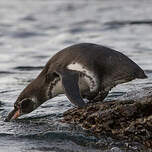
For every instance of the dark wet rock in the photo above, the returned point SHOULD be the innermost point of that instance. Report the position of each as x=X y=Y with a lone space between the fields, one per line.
x=122 y=119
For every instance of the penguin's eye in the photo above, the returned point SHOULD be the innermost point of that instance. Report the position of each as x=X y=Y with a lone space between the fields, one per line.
x=27 y=105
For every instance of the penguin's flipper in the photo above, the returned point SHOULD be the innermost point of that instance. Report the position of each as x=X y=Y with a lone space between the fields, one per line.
x=70 y=80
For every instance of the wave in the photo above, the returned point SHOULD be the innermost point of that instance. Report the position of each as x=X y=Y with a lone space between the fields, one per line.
x=28 y=68
x=149 y=22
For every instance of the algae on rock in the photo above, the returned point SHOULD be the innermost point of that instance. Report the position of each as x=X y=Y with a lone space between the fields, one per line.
x=129 y=119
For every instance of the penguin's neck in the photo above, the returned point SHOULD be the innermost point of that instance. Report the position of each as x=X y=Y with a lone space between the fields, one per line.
x=55 y=88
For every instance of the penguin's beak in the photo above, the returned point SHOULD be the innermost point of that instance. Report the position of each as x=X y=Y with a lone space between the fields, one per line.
x=14 y=114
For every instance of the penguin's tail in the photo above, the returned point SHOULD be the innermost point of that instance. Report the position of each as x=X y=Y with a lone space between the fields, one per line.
x=141 y=75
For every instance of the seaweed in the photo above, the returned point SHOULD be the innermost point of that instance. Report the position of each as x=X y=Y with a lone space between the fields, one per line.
x=123 y=119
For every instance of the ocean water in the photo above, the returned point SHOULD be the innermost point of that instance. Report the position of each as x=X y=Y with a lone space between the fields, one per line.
x=32 y=31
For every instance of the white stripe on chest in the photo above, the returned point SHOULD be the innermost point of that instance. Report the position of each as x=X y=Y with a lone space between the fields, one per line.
x=89 y=76
x=55 y=88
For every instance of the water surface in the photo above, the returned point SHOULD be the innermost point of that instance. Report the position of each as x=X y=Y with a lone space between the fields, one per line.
x=33 y=31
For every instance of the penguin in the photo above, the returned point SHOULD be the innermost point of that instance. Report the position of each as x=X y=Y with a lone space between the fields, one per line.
x=79 y=71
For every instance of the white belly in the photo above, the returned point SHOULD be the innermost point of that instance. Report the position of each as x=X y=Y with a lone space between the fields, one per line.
x=58 y=88
x=89 y=81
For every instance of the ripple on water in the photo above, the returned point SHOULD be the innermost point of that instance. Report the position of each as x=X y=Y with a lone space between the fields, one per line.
x=6 y=72
x=138 y=22
x=148 y=71
x=28 y=68
x=29 y=18
x=119 y=24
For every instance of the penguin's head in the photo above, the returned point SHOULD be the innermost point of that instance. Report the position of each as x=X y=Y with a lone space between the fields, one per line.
x=21 y=107
x=34 y=95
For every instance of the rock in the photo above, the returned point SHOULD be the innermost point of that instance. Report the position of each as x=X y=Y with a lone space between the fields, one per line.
x=122 y=119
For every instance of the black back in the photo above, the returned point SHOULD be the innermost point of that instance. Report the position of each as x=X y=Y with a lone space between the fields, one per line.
x=111 y=66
